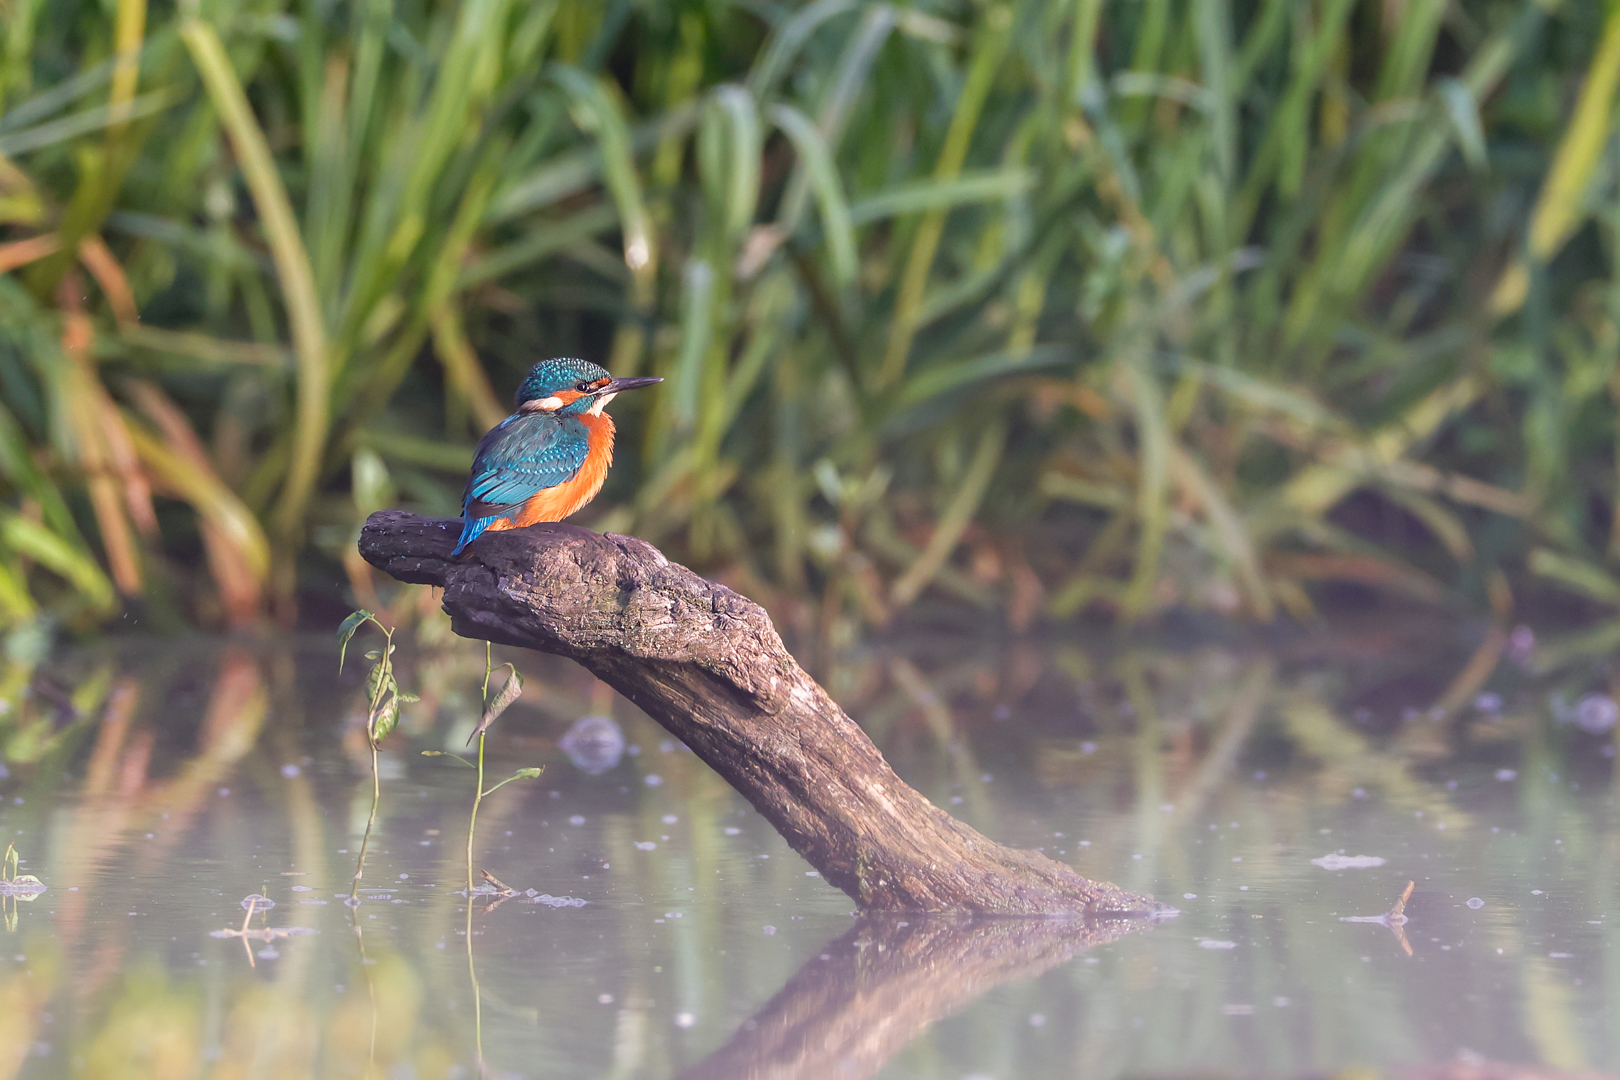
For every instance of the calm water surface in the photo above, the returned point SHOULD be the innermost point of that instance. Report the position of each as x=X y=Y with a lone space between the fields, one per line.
x=660 y=927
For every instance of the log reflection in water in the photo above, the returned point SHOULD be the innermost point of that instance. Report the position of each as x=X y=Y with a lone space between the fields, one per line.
x=869 y=993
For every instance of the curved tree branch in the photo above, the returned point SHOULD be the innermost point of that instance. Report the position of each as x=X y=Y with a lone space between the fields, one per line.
x=708 y=665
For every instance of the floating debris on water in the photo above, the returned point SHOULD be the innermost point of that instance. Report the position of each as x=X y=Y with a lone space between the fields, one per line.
x=1475 y=902
x=1341 y=861
x=269 y=933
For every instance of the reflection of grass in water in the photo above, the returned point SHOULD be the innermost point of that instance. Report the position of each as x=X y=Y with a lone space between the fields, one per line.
x=1198 y=698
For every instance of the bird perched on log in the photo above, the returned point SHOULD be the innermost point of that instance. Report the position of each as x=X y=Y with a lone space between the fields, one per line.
x=548 y=458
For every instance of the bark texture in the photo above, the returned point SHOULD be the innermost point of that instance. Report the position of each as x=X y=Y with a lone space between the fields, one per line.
x=708 y=665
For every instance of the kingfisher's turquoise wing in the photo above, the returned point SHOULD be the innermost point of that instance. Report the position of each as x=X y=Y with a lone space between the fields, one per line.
x=524 y=456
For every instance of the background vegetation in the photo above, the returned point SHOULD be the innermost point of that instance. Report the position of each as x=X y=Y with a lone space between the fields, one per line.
x=1041 y=306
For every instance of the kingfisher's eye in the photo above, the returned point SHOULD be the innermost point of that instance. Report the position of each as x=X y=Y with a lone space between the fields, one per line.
x=583 y=387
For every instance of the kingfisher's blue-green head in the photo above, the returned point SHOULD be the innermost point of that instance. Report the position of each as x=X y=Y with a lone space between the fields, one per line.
x=568 y=387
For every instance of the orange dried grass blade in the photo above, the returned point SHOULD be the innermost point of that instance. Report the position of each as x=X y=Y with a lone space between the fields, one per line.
x=237 y=552
x=114 y=481
x=104 y=424
x=22 y=252
x=95 y=256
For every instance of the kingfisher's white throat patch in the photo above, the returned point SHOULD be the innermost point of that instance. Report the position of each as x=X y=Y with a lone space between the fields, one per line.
x=600 y=403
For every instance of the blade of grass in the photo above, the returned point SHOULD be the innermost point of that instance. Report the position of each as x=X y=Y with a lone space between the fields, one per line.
x=822 y=176
x=1560 y=206
x=956 y=518
x=989 y=49
x=292 y=267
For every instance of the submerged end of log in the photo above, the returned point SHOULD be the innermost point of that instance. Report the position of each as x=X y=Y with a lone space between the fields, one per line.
x=707 y=664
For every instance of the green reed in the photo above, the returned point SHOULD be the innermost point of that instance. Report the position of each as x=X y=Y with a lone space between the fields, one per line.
x=509 y=692
x=1041 y=307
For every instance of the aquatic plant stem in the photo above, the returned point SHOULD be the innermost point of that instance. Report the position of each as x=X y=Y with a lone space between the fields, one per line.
x=472 y=820
x=478 y=794
x=371 y=820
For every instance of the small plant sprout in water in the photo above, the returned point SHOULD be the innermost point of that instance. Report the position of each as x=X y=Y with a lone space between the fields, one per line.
x=252 y=904
x=15 y=886
x=493 y=708
x=1395 y=918
x=383 y=701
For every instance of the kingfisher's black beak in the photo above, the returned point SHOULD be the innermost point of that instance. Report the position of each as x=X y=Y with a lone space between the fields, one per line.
x=617 y=385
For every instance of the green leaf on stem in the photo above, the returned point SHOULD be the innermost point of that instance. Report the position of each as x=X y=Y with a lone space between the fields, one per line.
x=387 y=719
x=346 y=631
x=498 y=704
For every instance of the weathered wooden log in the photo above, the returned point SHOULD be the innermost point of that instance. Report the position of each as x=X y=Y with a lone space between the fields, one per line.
x=708 y=665
x=868 y=994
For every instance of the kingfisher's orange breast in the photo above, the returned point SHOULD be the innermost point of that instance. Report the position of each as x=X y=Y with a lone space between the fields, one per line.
x=556 y=503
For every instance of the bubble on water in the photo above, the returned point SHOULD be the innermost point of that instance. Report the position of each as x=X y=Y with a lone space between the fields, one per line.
x=268 y=953
x=652 y=779
x=1596 y=713
x=646 y=845
x=604 y=999
x=1088 y=747
x=289 y=770
x=255 y=902
x=594 y=744
x=1037 y=1020
x=1488 y=702
x=1189 y=896
x=684 y=1020
x=1475 y=902
x=732 y=830
x=1521 y=645
x=1506 y=775
x=1211 y=943
x=577 y=819
x=768 y=930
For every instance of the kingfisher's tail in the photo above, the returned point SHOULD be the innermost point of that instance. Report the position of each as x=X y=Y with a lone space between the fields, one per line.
x=471 y=529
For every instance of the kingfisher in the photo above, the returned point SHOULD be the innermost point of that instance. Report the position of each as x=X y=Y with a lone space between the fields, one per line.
x=548 y=458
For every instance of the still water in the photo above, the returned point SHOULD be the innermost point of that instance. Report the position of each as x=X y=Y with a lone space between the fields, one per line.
x=660 y=928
